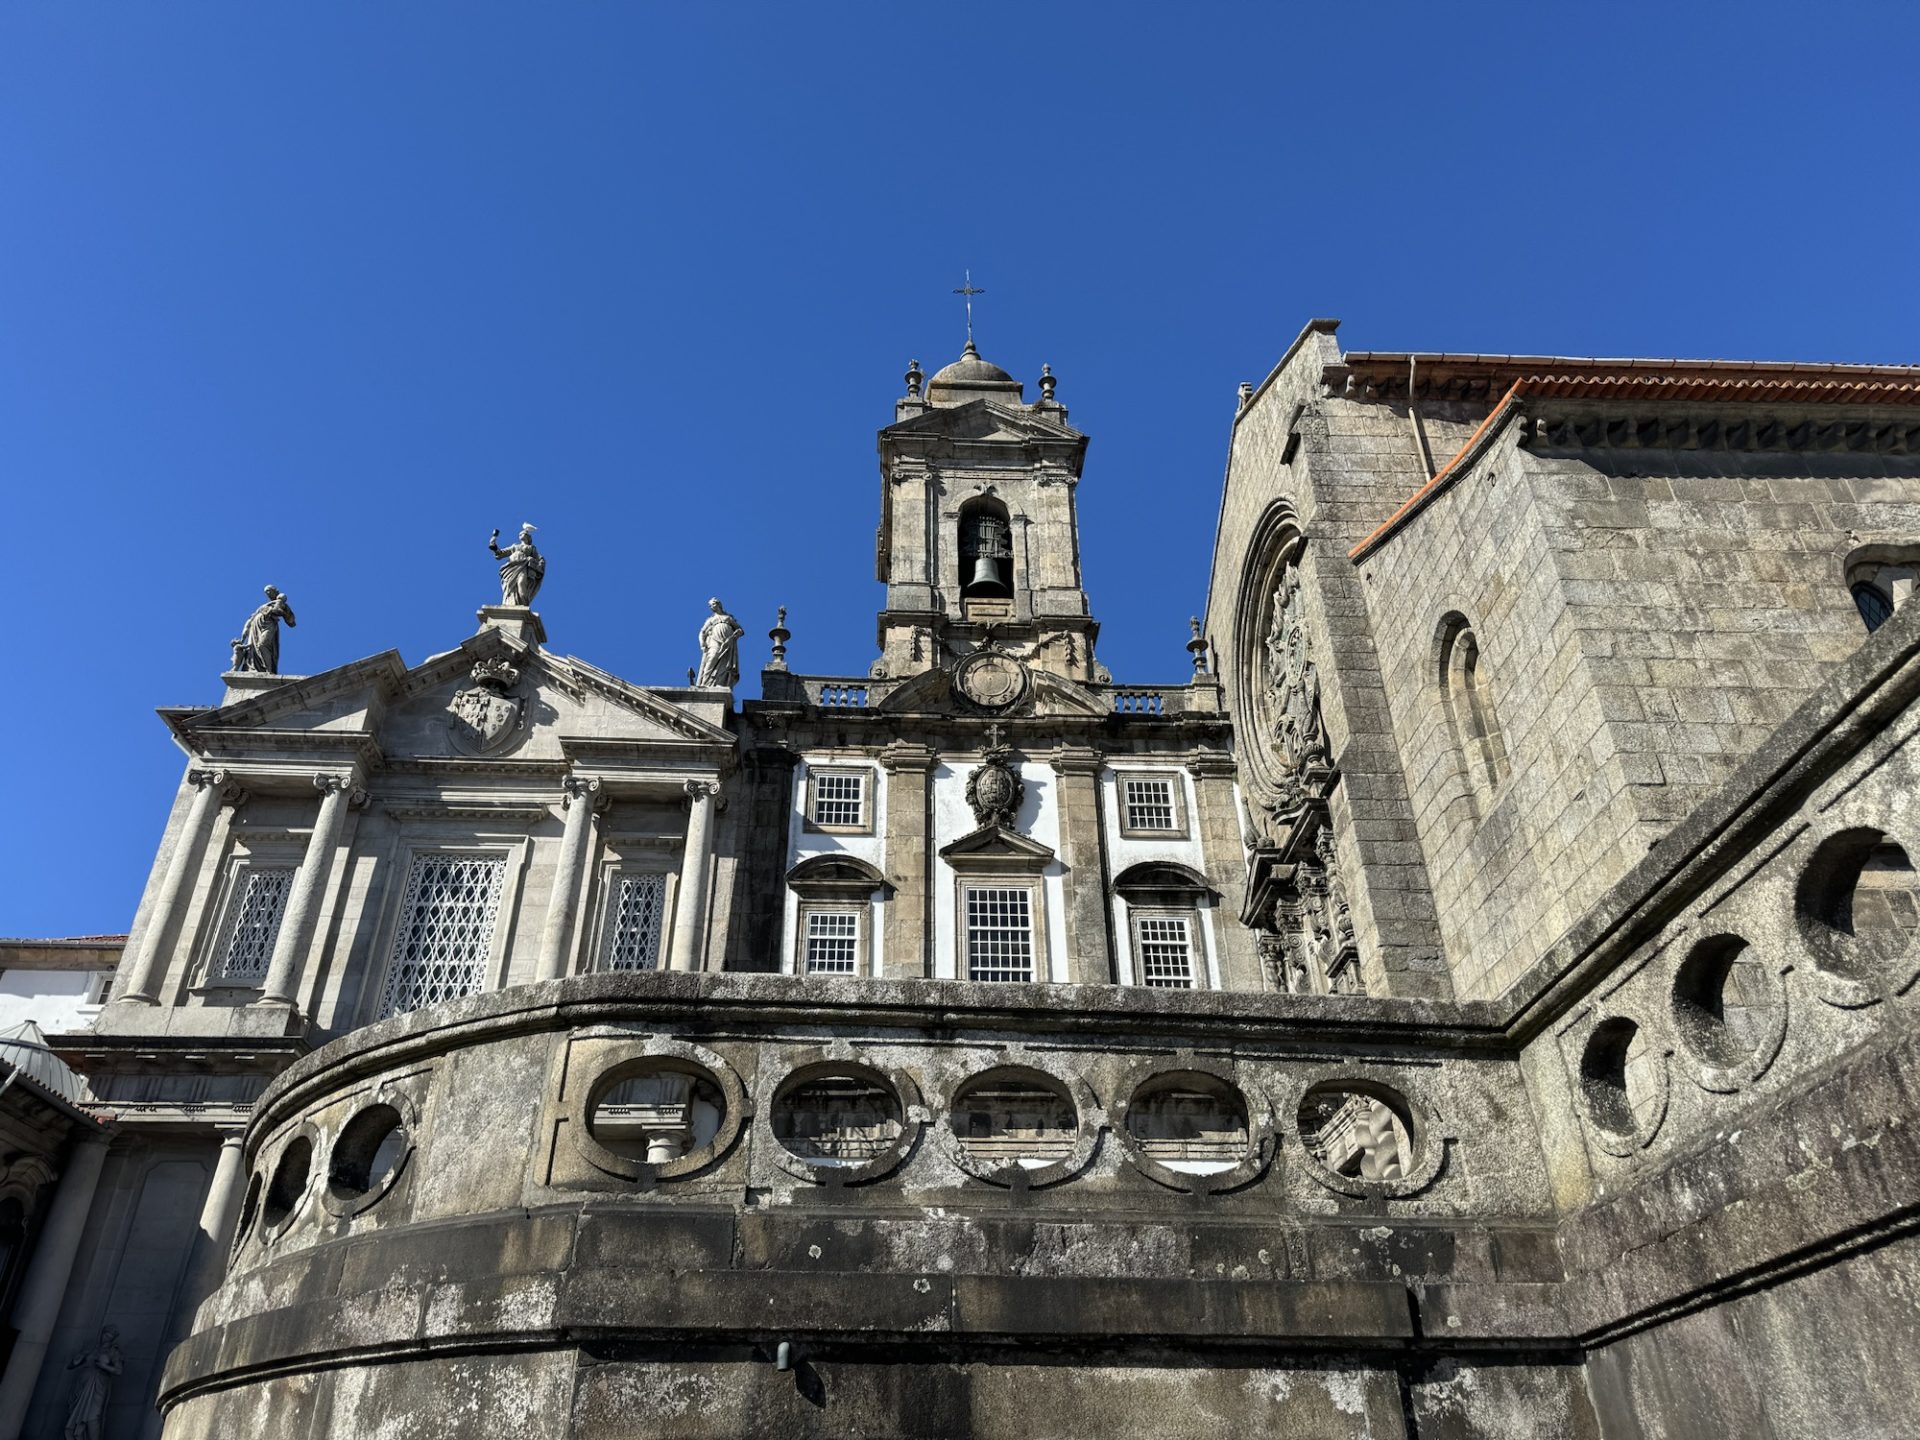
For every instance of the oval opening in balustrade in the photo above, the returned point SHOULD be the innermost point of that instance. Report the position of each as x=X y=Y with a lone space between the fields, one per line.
x=1019 y=1118
x=289 y=1181
x=1619 y=1076
x=1364 y=1133
x=1723 y=1003
x=1859 y=902
x=839 y=1119
x=656 y=1111
x=368 y=1152
x=1192 y=1123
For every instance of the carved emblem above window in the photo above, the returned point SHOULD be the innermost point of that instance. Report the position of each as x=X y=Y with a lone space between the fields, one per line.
x=995 y=789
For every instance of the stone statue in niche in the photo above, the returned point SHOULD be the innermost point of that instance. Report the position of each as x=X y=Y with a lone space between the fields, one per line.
x=522 y=568
x=258 y=648
x=719 y=649
x=86 y=1415
x=1296 y=731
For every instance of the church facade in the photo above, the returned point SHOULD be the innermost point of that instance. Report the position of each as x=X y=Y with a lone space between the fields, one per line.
x=1473 y=1003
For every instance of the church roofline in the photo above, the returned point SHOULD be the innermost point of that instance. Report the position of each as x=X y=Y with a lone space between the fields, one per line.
x=1388 y=375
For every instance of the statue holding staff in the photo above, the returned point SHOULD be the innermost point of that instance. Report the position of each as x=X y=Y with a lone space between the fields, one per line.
x=258 y=648
x=522 y=569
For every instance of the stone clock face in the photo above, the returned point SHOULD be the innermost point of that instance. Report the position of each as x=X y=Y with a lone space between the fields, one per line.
x=991 y=681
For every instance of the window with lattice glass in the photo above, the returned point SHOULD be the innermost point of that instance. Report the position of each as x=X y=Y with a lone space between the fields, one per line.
x=636 y=905
x=252 y=925
x=445 y=936
x=833 y=942
x=838 y=800
x=1150 y=804
x=999 y=932
x=1164 y=945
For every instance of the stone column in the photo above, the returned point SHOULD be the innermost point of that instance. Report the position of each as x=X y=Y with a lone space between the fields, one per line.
x=581 y=797
x=209 y=1261
x=149 y=971
x=1083 y=847
x=690 y=904
x=909 y=844
x=1217 y=824
x=290 y=946
x=45 y=1283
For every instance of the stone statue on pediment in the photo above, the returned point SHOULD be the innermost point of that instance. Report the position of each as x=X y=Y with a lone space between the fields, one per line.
x=522 y=568
x=719 y=649
x=258 y=648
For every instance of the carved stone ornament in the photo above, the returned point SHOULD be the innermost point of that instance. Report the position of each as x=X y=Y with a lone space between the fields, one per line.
x=1289 y=692
x=991 y=680
x=995 y=789
x=488 y=717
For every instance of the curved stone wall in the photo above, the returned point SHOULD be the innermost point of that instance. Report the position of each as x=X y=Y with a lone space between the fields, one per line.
x=533 y=1211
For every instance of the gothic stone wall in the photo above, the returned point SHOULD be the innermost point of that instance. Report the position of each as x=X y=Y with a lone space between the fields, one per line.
x=1644 y=621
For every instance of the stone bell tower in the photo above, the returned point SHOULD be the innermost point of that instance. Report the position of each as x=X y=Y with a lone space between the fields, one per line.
x=979 y=543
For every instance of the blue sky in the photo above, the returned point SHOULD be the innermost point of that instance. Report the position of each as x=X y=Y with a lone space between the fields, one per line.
x=318 y=295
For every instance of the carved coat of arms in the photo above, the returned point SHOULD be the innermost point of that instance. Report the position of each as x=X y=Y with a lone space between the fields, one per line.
x=995 y=789
x=487 y=715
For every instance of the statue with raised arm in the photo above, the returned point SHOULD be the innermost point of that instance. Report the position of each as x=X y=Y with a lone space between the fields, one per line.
x=258 y=648
x=719 y=649
x=86 y=1416
x=522 y=568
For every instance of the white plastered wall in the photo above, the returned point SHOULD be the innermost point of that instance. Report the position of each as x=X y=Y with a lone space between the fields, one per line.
x=1124 y=853
x=805 y=844
x=1038 y=819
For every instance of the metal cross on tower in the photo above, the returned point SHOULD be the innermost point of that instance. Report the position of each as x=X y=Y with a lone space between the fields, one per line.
x=967 y=292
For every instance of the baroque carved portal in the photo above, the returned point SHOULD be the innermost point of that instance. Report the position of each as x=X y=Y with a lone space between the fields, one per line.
x=1296 y=899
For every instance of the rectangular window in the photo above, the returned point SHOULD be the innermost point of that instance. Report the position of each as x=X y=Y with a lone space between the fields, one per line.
x=1150 y=803
x=999 y=932
x=445 y=935
x=252 y=925
x=838 y=800
x=635 y=905
x=1165 y=947
x=833 y=942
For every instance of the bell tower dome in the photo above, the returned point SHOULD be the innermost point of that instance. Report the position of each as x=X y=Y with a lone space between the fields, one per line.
x=978 y=530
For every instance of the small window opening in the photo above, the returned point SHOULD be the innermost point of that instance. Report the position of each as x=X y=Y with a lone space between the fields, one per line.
x=1471 y=719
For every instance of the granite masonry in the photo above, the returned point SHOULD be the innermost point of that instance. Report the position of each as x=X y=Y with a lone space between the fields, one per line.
x=1475 y=1002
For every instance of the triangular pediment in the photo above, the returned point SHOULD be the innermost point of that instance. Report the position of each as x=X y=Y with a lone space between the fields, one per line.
x=986 y=420
x=996 y=848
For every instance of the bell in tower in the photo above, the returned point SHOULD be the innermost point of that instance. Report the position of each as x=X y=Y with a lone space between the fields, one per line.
x=986 y=553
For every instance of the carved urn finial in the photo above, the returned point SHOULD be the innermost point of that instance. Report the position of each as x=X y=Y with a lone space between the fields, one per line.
x=914 y=379
x=1047 y=382
x=1197 y=646
x=779 y=634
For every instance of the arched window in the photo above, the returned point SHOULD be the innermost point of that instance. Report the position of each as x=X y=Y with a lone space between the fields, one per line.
x=1880 y=578
x=986 y=551
x=1472 y=721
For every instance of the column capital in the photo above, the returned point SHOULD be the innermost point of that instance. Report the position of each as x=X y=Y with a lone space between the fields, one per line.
x=1214 y=764
x=903 y=755
x=698 y=790
x=330 y=783
x=228 y=789
x=1076 y=760
x=588 y=788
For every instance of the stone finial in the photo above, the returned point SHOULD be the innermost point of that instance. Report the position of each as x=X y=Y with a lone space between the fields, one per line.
x=1047 y=383
x=1246 y=393
x=914 y=379
x=779 y=634
x=1197 y=646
